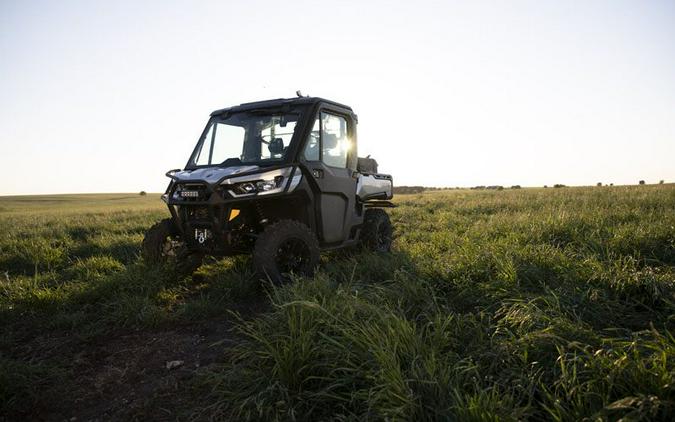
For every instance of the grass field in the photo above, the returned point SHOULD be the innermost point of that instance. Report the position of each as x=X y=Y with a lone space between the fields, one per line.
x=532 y=304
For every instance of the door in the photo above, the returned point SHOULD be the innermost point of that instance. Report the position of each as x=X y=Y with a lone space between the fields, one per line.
x=327 y=153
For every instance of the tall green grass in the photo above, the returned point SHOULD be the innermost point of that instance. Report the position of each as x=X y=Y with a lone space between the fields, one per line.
x=526 y=304
x=494 y=305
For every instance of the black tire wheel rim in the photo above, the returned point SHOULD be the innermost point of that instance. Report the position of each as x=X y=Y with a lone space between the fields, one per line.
x=292 y=255
x=169 y=247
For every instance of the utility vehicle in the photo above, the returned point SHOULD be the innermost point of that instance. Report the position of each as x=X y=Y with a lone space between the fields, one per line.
x=279 y=179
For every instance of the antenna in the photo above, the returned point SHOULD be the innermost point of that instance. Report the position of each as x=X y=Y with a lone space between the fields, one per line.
x=299 y=94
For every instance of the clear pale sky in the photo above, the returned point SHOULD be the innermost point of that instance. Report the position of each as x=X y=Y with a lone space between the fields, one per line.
x=105 y=96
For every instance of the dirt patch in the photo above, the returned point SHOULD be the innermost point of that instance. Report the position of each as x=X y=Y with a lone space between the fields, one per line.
x=124 y=375
x=127 y=377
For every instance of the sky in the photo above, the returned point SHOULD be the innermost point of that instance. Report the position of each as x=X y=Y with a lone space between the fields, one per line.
x=101 y=96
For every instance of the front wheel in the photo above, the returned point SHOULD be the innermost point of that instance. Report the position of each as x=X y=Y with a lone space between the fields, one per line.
x=162 y=245
x=286 y=247
x=377 y=232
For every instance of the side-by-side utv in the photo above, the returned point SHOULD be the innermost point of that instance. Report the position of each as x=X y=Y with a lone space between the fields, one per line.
x=279 y=179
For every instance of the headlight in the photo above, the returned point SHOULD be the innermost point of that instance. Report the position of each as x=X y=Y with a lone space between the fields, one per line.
x=260 y=186
x=274 y=181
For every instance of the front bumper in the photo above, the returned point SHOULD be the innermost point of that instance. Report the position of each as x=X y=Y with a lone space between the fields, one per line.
x=198 y=205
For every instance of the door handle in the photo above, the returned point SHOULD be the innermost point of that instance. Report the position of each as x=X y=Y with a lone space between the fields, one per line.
x=317 y=173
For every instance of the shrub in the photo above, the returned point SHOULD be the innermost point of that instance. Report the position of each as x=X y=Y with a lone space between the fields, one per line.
x=642 y=182
x=142 y=193
x=515 y=187
x=558 y=185
x=599 y=184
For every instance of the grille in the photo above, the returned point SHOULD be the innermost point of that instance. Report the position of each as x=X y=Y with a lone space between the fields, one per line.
x=197 y=213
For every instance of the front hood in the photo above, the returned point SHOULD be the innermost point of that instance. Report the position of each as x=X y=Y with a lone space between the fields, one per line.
x=211 y=174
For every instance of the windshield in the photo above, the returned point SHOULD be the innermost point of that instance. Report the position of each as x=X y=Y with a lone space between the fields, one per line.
x=245 y=137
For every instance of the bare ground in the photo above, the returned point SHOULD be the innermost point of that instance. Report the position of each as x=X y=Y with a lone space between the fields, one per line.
x=124 y=375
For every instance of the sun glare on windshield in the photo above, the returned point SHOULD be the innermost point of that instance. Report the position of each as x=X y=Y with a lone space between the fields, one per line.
x=247 y=137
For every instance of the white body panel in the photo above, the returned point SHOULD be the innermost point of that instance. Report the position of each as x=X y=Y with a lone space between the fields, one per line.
x=374 y=187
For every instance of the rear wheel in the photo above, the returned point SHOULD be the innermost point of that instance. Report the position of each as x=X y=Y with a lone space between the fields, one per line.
x=377 y=232
x=286 y=247
x=162 y=245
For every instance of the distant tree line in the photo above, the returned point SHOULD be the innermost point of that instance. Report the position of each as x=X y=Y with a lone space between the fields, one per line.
x=408 y=189
x=492 y=187
x=420 y=189
x=641 y=182
x=416 y=189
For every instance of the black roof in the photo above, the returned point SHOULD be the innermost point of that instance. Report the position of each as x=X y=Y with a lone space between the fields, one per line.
x=279 y=102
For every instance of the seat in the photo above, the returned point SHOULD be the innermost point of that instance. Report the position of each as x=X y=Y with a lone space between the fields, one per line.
x=276 y=146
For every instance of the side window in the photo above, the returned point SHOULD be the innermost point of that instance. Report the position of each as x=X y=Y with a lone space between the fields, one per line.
x=334 y=140
x=313 y=143
x=328 y=141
